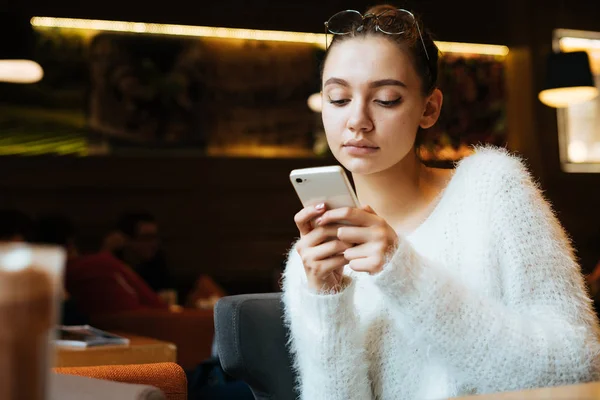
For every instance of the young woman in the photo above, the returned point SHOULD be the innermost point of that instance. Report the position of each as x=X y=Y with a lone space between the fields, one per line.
x=445 y=282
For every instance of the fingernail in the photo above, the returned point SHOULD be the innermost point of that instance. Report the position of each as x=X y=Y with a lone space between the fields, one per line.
x=320 y=206
x=318 y=221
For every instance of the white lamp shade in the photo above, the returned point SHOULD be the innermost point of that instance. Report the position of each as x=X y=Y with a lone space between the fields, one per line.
x=569 y=80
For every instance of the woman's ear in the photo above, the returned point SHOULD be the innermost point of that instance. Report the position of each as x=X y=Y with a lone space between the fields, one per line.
x=433 y=107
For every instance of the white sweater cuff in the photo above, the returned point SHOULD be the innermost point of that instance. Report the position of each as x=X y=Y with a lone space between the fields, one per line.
x=326 y=314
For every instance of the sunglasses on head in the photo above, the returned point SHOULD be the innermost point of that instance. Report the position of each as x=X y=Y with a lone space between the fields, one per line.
x=390 y=22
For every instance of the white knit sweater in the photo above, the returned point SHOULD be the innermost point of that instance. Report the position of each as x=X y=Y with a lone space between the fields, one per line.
x=484 y=296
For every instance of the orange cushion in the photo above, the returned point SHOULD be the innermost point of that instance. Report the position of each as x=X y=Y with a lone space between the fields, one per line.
x=168 y=377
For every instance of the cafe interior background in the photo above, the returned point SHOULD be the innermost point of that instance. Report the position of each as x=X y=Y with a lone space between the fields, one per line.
x=145 y=106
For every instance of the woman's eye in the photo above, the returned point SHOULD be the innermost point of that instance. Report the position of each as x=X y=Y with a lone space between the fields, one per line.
x=339 y=102
x=389 y=103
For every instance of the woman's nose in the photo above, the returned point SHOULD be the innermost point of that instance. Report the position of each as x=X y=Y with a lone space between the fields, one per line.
x=359 y=119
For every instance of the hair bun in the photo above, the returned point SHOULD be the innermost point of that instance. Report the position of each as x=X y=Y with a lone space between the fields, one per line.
x=380 y=8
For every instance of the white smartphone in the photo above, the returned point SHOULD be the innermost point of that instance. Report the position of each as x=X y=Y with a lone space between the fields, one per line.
x=328 y=185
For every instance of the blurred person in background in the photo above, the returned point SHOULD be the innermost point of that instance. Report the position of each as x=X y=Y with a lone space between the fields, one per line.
x=96 y=283
x=136 y=241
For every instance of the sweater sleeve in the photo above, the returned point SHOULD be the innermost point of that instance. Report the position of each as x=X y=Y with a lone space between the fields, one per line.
x=542 y=332
x=325 y=341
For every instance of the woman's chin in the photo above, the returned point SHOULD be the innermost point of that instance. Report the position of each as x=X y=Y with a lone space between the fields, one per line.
x=361 y=166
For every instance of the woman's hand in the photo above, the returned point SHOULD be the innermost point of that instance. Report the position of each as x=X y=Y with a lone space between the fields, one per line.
x=371 y=237
x=320 y=250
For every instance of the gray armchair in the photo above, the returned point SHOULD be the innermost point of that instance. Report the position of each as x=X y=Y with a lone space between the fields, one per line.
x=251 y=344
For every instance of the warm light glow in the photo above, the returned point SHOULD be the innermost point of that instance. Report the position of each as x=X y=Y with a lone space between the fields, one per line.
x=564 y=97
x=445 y=153
x=262 y=151
x=317 y=39
x=573 y=44
x=594 y=153
x=577 y=152
x=315 y=102
x=472 y=48
x=178 y=30
x=20 y=71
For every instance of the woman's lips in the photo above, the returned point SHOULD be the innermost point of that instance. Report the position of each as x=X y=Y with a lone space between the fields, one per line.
x=360 y=150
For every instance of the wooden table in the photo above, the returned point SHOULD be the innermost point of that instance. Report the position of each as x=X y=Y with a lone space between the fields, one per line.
x=584 y=391
x=140 y=350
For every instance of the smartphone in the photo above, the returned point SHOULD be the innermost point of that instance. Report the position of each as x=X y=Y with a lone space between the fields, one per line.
x=328 y=185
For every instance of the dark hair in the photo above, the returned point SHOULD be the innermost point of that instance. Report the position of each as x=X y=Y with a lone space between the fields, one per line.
x=15 y=222
x=128 y=223
x=427 y=69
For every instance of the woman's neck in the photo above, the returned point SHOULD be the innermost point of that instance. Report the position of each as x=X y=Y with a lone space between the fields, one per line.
x=402 y=193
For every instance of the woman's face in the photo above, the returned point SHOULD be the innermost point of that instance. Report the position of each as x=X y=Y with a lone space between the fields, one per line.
x=373 y=103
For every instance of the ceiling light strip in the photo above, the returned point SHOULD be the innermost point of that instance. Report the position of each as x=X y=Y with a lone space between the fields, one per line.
x=317 y=39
